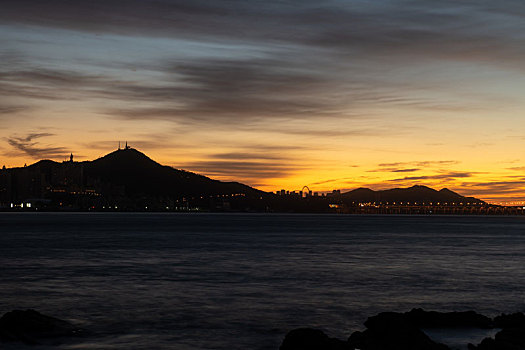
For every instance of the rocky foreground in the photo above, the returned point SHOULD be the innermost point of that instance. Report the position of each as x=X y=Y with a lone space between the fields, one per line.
x=32 y=327
x=385 y=331
x=403 y=331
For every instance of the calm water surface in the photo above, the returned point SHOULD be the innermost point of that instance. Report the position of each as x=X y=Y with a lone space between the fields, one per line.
x=241 y=281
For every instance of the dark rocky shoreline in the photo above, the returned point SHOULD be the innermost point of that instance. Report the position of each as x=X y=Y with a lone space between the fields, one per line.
x=403 y=331
x=33 y=328
x=385 y=331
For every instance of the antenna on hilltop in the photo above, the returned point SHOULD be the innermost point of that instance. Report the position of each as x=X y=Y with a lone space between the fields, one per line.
x=119 y=145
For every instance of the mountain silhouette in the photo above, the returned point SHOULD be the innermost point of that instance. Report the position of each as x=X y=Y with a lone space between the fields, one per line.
x=140 y=175
x=418 y=193
x=125 y=178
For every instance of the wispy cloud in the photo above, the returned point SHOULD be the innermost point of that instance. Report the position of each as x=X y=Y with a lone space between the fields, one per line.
x=405 y=170
x=496 y=190
x=250 y=171
x=424 y=163
x=252 y=167
x=394 y=170
x=337 y=180
x=28 y=146
x=426 y=28
x=10 y=110
x=294 y=63
x=444 y=176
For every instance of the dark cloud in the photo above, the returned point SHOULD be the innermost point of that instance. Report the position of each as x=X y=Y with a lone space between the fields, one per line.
x=338 y=180
x=275 y=147
x=249 y=156
x=136 y=17
x=404 y=170
x=12 y=109
x=237 y=89
x=29 y=92
x=454 y=29
x=247 y=93
x=234 y=90
x=49 y=77
x=444 y=176
x=425 y=163
x=251 y=166
x=27 y=145
x=307 y=60
x=31 y=136
x=510 y=190
x=48 y=84
x=395 y=170
x=197 y=91
x=250 y=171
x=253 y=117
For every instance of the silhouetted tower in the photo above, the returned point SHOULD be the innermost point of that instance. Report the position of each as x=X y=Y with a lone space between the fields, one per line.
x=71 y=158
x=119 y=145
x=127 y=147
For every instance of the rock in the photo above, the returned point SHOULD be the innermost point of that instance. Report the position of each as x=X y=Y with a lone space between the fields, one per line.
x=486 y=344
x=364 y=341
x=402 y=331
x=433 y=319
x=511 y=338
x=512 y=320
x=514 y=336
x=30 y=326
x=311 y=339
x=491 y=344
x=392 y=331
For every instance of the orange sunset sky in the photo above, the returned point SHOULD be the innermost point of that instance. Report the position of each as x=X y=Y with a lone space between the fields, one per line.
x=277 y=95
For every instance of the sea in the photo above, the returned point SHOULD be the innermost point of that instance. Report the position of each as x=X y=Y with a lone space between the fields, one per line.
x=242 y=281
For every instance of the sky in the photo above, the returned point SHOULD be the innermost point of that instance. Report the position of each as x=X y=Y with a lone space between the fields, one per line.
x=275 y=94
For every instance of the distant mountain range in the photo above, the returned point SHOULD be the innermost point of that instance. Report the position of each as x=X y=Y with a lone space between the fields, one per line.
x=130 y=180
x=419 y=194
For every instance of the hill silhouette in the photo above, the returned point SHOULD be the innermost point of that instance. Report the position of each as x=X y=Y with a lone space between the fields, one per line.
x=141 y=175
x=125 y=179
x=418 y=193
